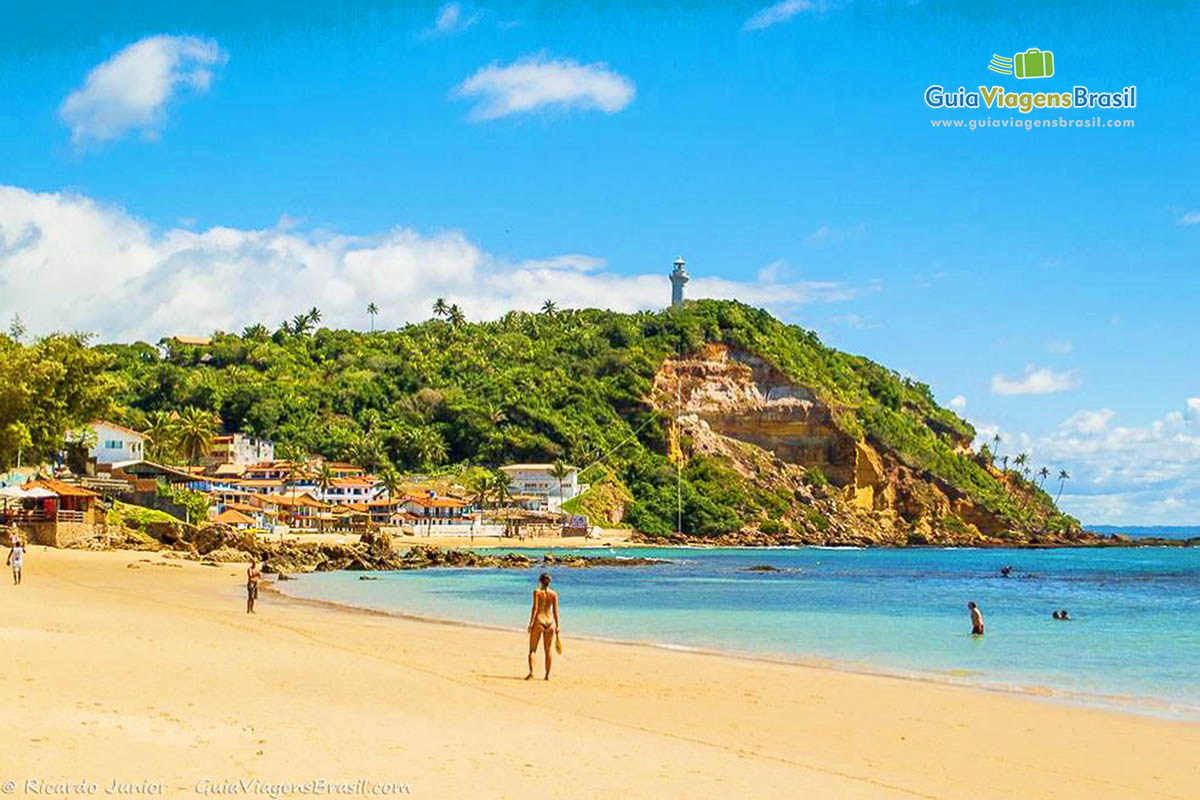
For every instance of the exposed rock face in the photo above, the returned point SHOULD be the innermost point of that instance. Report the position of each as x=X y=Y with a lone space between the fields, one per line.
x=780 y=436
x=740 y=396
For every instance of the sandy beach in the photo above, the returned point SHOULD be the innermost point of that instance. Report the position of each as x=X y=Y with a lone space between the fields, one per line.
x=143 y=669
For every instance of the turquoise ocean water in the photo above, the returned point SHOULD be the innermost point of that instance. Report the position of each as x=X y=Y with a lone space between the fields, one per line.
x=1134 y=641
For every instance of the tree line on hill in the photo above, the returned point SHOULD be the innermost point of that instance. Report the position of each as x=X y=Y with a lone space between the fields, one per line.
x=448 y=394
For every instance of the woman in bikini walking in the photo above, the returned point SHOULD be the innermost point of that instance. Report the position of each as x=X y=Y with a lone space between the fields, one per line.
x=543 y=622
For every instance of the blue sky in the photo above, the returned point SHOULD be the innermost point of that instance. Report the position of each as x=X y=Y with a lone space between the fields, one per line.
x=227 y=163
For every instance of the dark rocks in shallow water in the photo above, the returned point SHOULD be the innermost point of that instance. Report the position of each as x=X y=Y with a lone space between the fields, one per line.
x=762 y=568
x=375 y=552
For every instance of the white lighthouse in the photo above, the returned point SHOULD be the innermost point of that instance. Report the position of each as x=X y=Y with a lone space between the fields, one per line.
x=679 y=277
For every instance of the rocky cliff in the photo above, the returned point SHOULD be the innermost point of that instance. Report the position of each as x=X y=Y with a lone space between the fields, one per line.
x=845 y=487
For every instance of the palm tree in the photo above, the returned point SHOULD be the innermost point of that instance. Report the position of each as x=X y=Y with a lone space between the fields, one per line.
x=1021 y=460
x=495 y=414
x=440 y=309
x=372 y=310
x=559 y=472
x=427 y=445
x=482 y=489
x=325 y=481
x=1063 y=477
x=314 y=316
x=549 y=308
x=161 y=431
x=1043 y=473
x=296 y=469
x=996 y=440
x=300 y=325
x=195 y=431
x=503 y=487
x=256 y=332
x=456 y=316
x=389 y=479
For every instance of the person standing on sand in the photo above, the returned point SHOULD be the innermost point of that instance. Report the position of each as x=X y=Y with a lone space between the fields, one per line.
x=543 y=622
x=976 y=619
x=253 y=573
x=16 y=558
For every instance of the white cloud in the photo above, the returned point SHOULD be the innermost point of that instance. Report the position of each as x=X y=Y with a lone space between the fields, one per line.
x=451 y=19
x=959 y=402
x=1035 y=381
x=1190 y=218
x=831 y=235
x=67 y=262
x=1089 y=421
x=1130 y=474
x=856 y=321
x=1123 y=475
x=777 y=13
x=131 y=90
x=536 y=82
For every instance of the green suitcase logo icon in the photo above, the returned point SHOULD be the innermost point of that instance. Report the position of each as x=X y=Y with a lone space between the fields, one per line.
x=1033 y=63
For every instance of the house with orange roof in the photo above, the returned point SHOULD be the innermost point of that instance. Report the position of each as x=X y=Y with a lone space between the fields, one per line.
x=235 y=519
x=391 y=513
x=433 y=508
x=351 y=489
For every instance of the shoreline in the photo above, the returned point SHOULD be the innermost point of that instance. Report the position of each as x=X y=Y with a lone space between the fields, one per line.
x=136 y=666
x=1143 y=706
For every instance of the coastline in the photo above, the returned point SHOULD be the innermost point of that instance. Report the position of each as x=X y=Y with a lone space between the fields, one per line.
x=130 y=665
x=1128 y=704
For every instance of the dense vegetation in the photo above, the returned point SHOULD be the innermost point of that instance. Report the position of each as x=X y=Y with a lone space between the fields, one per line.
x=570 y=385
x=47 y=389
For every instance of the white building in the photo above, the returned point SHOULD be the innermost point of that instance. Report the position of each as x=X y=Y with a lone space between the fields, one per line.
x=239 y=449
x=115 y=443
x=536 y=479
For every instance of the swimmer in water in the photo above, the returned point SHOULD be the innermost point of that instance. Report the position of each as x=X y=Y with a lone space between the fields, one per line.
x=543 y=622
x=976 y=619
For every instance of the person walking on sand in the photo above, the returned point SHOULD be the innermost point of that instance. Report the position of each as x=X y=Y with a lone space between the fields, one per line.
x=16 y=559
x=543 y=622
x=976 y=619
x=253 y=573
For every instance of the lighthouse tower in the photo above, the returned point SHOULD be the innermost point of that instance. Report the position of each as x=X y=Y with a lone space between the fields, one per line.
x=679 y=277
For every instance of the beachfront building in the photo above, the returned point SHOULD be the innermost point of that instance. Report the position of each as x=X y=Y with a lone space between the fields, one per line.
x=536 y=481
x=341 y=469
x=357 y=489
x=114 y=444
x=432 y=508
x=389 y=513
x=235 y=519
x=303 y=511
x=238 y=450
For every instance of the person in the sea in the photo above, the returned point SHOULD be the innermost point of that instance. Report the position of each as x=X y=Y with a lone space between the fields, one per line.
x=16 y=558
x=543 y=622
x=253 y=573
x=976 y=619
x=1006 y=571
x=1062 y=615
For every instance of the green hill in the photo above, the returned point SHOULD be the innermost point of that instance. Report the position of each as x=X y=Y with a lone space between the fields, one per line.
x=586 y=386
